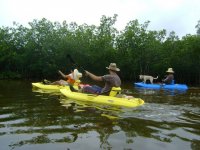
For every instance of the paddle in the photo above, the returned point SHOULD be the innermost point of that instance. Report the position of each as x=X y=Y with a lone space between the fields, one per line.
x=74 y=63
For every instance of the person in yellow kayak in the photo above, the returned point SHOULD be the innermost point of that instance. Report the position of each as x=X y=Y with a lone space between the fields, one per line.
x=70 y=79
x=111 y=80
x=170 y=77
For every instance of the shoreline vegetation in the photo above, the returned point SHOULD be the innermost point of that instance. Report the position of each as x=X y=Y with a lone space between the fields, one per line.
x=39 y=50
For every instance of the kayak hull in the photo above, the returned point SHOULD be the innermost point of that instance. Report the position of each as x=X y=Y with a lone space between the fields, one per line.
x=162 y=86
x=47 y=87
x=102 y=99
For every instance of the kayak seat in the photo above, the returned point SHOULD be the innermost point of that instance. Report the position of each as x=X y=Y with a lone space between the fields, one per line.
x=114 y=91
x=77 y=82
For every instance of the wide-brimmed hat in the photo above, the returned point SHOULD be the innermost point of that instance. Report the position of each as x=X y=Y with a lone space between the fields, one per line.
x=113 y=67
x=77 y=74
x=170 y=70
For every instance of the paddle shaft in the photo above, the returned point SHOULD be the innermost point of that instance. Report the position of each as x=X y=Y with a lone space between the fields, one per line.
x=74 y=63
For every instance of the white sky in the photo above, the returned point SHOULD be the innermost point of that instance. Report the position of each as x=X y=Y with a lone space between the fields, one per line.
x=180 y=16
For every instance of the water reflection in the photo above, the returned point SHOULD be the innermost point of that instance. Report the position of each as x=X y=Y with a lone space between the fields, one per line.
x=37 y=90
x=149 y=91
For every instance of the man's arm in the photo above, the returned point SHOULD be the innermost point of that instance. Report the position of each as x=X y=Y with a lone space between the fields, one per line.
x=94 y=77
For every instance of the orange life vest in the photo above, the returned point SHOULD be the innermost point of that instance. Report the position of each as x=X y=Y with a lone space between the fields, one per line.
x=70 y=78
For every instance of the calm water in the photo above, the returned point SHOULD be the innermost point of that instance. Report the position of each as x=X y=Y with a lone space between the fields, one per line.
x=32 y=119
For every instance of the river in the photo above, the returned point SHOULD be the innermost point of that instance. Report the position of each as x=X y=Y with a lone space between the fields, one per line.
x=33 y=119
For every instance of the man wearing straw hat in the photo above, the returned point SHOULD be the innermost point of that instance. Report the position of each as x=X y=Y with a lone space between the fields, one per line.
x=111 y=80
x=170 y=77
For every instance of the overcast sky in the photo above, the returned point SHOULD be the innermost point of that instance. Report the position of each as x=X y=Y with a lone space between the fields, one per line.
x=180 y=16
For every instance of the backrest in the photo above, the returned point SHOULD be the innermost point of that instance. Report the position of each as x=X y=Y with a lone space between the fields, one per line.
x=114 y=91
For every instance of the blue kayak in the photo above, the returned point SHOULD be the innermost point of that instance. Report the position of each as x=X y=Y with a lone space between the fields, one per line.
x=162 y=86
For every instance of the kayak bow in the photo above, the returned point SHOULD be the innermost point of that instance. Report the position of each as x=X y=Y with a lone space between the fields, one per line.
x=47 y=86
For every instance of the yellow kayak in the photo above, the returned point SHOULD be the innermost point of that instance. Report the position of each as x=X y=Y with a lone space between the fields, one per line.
x=102 y=99
x=47 y=86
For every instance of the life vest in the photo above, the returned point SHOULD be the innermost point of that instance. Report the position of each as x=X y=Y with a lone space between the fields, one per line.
x=74 y=77
x=70 y=78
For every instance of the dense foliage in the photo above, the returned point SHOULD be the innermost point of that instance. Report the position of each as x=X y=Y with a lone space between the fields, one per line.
x=39 y=50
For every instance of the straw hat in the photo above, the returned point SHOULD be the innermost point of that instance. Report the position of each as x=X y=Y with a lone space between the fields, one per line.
x=113 y=67
x=77 y=74
x=170 y=70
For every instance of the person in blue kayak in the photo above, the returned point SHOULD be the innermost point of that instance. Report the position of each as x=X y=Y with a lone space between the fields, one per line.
x=111 y=80
x=170 y=77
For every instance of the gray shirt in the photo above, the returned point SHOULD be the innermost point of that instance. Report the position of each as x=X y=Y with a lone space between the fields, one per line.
x=110 y=81
x=168 y=79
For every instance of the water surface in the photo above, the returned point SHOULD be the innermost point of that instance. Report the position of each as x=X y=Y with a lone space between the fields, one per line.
x=35 y=119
